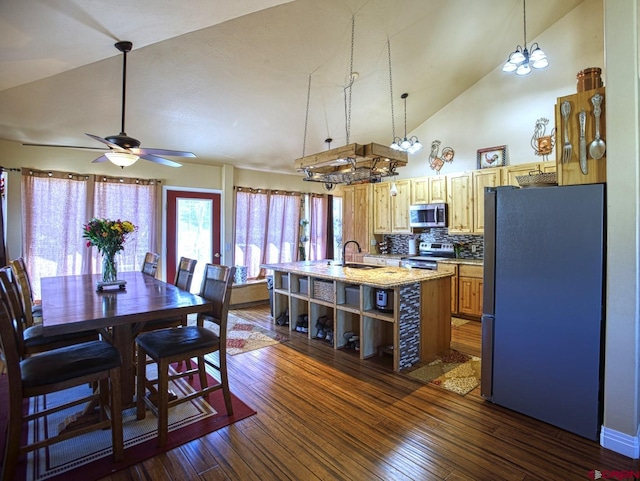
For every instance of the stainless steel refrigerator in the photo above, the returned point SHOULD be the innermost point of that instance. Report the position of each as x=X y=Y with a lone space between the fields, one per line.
x=543 y=303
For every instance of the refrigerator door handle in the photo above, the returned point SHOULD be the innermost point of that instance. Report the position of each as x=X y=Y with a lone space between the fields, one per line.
x=486 y=374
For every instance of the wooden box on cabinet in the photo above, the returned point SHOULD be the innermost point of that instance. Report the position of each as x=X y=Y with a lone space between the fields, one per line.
x=569 y=173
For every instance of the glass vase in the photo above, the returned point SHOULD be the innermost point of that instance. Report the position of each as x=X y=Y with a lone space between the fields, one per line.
x=109 y=268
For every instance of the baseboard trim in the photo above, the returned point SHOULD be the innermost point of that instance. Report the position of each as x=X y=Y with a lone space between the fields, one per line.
x=625 y=444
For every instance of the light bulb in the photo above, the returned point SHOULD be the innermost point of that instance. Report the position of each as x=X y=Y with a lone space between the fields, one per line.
x=122 y=159
x=523 y=69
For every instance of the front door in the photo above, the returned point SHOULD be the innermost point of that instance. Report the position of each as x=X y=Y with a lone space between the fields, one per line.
x=193 y=231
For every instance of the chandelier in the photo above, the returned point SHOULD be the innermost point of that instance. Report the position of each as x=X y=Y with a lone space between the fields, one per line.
x=521 y=61
x=407 y=144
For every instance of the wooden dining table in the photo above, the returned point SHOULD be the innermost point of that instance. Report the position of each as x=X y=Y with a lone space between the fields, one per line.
x=73 y=303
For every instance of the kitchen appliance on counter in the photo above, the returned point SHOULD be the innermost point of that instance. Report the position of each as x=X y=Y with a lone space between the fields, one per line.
x=384 y=300
x=428 y=215
x=429 y=255
x=543 y=304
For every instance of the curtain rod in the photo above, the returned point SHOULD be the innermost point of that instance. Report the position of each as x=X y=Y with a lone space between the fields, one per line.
x=8 y=169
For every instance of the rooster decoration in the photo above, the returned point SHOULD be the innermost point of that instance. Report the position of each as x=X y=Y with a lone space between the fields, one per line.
x=436 y=162
x=541 y=143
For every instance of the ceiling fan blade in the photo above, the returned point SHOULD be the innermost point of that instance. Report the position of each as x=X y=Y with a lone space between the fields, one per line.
x=78 y=147
x=106 y=142
x=172 y=153
x=160 y=160
x=102 y=158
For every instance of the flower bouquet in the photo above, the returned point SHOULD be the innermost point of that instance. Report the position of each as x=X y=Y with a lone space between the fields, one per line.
x=109 y=237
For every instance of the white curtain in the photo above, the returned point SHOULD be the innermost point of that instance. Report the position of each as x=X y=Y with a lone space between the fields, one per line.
x=56 y=206
x=318 y=236
x=266 y=229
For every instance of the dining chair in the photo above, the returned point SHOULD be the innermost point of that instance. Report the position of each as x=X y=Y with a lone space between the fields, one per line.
x=183 y=279
x=31 y=338
x=95 y=362
x=168 y=346
x=150 y=264
x=32 y=308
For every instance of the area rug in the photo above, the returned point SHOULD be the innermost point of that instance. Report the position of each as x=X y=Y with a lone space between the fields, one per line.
x=89 y=457
x=244 y=335
x=457 y=322
x=455 y=372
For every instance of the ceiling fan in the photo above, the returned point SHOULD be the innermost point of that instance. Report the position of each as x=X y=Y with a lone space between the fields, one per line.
x=125 y=150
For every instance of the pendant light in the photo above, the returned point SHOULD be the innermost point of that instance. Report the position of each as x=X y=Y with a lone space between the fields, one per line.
x=521 y=61
x=410 y=145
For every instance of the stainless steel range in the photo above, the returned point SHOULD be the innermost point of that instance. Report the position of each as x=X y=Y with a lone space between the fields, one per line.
x=430 y=254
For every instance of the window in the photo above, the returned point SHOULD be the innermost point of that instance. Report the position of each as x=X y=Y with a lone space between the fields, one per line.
x=267 y=228
x=56 y=206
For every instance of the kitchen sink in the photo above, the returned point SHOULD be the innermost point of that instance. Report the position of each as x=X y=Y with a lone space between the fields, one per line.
x=362 y=266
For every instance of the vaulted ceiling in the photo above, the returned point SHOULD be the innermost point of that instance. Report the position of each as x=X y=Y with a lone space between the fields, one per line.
x=229 y=80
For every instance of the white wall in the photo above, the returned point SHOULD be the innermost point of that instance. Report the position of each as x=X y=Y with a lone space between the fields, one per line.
x=501 y=109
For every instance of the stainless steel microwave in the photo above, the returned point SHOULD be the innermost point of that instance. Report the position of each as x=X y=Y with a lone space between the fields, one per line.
x=428 y=215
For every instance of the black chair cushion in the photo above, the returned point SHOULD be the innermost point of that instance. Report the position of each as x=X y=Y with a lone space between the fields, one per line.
x=67 y=363
x=33 y=336
x=177 y=340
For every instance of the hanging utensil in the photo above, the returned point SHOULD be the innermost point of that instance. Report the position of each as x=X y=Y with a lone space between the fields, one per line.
x=582 y=117
x=597 y=148
x=567 y=149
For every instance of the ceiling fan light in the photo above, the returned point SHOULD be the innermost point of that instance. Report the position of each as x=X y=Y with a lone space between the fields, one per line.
x=122 y=159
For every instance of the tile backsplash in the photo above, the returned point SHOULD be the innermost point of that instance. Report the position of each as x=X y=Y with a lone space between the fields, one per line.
x=399 y=243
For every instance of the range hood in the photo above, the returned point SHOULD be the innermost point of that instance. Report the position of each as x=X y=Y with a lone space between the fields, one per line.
x=352 y=163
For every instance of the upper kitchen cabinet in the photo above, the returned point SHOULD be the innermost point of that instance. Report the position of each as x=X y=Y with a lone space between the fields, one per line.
x=593 y=167
x=391 y=212
x=460 y=200
x=510 y=172
x=429 y=190
x=400 y=208
x=437 y=189
x=481 y=180
x=356 y=219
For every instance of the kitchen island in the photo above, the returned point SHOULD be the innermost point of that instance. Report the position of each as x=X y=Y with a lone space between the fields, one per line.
x=413 y=325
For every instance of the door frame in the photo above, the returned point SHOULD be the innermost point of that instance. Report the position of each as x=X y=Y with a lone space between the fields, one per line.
x=163 y=240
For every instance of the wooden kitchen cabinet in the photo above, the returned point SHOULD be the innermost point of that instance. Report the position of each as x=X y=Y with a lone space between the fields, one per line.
x=391 y=213
x=470 y=284
x=420 y=190
x=460 y=200
x=510 y=172
x=356 y=219
x=381 y=208
x=482 y=179
x=454 y=283
x=429 y=190
x=437 y=189
x=400 y=208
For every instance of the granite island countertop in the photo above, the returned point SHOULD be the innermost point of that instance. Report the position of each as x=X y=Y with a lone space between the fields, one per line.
x=383 y=277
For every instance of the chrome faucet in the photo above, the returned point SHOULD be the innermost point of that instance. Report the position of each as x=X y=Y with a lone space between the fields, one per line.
x=344 y=248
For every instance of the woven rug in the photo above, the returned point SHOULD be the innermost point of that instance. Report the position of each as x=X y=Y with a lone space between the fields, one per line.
x=244 y=335
x=457 y=322
x=455 y=372
x=88 y=457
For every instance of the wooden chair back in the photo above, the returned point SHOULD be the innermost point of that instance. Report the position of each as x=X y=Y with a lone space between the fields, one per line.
x=24 y=288
x=216 y=288
x=184 y=274
x=150 y=264
x=11 y=300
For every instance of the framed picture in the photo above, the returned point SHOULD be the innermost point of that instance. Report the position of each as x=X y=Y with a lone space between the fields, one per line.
x=492 y=157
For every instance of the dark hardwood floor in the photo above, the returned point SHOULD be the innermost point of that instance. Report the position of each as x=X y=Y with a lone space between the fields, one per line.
x=324 y=414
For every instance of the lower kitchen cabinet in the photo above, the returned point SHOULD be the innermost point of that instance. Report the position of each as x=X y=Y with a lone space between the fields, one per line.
x=470 y=283
x=454 y=283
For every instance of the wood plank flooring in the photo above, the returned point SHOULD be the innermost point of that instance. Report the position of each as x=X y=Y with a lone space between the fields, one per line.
x=326 y=415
